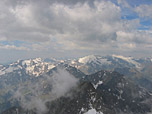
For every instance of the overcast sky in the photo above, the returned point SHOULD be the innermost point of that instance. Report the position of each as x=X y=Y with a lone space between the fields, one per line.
x=74 y=28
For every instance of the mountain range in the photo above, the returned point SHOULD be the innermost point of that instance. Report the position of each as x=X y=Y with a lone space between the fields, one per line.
x=138 y=70
x=92 y=84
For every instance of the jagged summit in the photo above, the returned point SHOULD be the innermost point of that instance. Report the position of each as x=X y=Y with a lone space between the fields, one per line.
x=88 y=59
x=34 y=66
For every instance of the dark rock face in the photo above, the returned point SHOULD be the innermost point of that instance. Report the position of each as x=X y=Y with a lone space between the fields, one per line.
x=72 y=70
x=106 y=92
x=121 y=93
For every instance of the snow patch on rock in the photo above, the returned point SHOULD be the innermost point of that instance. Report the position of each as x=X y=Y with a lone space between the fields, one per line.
x=96 y=85
x=93 y=111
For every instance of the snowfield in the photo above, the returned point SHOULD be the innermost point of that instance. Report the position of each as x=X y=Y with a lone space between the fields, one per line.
x=93 y=111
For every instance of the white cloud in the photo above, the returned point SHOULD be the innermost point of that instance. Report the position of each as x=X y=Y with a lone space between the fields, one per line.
x=13 y=47
x=124 y=3
x=77 y=26
x=144 y=11
x=23 y=14
x=138 y=37
x=60 y=82
x=83 y=24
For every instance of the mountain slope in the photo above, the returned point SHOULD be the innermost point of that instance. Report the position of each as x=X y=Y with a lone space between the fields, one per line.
x=93 y=63
x=115 y=95
x=33 y=67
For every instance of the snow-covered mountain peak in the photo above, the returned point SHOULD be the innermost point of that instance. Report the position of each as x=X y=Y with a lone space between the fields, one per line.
x=87 y=59
x=30 y=62
x=121 y=57
x=93 y=63
x=88 y=64
x=36 y=60
x=96 y=59
x=128 y=59
x=36 y=66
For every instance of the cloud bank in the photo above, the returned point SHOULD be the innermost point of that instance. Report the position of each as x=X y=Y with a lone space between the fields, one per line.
x=85 y=26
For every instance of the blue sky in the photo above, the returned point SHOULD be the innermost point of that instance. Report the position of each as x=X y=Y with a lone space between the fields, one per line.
x=129 y=14
x=75 y=28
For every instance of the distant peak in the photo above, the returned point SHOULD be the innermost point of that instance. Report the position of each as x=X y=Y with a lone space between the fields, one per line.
x=122 y=57
x=128 y=59
x=88 y=58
